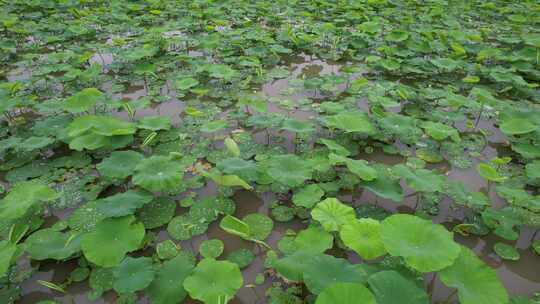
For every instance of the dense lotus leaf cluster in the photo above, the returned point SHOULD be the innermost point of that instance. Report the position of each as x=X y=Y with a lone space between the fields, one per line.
x=374 y=140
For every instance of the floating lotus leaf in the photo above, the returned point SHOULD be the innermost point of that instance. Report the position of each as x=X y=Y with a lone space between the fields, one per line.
x=23 y=196
x=167 y=250
x=214 y=126
x=289 y=170
x=325 y=270
x=83 y=100
x=297 y=126
x=391 y=287
x=211 y=248
x=119 y=164
x=241 y=257
x=346 y=293
x=504 y=221
x=292 y=266
x=313 y=240
x=157 y=213
x=440 y=131
x=133 y=274
x=7 y=253
x=533 y=169
x=112 y=238
x=361 y=169
x=123 y=203
x=357 y=122
x=184 y=227
x=214 y=282
x=158 y=173
x=209 y=208
x=421 y=180
x=516 y=126
x=507 y=252
x=221 y=71
x=425 y=246
x=364 y=237
x=185 y=83
x=154 y=123
x=385 y=186
x=476 y=282
x=167 y=287
x=35 y=143
x=308 y=196
x=100 y=125
x=489 y=173
x=332 y=214
x=260 y=225
x=51 y=244
x=246 y=170
x=334 y=147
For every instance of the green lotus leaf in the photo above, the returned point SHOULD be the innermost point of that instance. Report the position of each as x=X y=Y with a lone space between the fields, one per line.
x=184 y=227
x=83 y=100
x=364 y=237
x=100 y=125
x=476 y=282
x=391 y=287
x=133 y=274
x=334 y=147
x=397 y=36
x=119 y=164
x=385 y=185
x=157 y=213
x=123 y=203
x=51 y=244
x=289 y=170
x=101 y=280
x=167 y=250
x=292 y=266
x=228 y=180
x=232 y=147
x=440 y=131
x=425 y=246
x=313 y=240
x=260 y=225
x=154 y=123
x=8 y=251
x=246 y=170
x=209 y=208
x=35 y=143
x=235 y=226
x=211 y=248
x=517 y=126
x=308 y=196
x=186 y=83
x=533 y=169
x=504 y=222
x=361 y=169
x=167 y=287
x=332 y=214
x=112 y=238
x=297 y=126
x=325 y=270
x=346 y=293
x=221 y=71
x=421 y=180
x=22 y=197
x=214 y=282
x=214 y=126
x=357 y=122
x=158 y=173
x=489 y=173
x=506 y=252
x=89 y=141
x=241 y=257
x=536 y=246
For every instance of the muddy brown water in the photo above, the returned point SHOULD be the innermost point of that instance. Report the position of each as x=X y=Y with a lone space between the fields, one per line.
x=519 y=277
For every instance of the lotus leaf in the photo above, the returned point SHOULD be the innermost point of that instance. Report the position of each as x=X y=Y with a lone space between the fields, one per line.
x=184 y=227
x=133 y=274
x=7 y=253
x=112 y=238
x=390 y=287
x=422 y=180
x=385 y=186
x=167 y=287
x=425 y=246
x=332 y=214
x=346 y=293
x=154 y=123
x=158 y=173
x=83 y=100
x=507 y=252
x=214 y=282
x=214 y=126
x=260 y=225
x=364 y=237
x=123 y=203
x=313 y=240
x=157 y=213
x=22 y=197
x=516 y=126
x=119 y=164
x=325 y=270
x=50 y=244
x=241 y=257
x=357 y=122
x=475 y=281
x=167 y=250
x=440 y=131
x=211 y=248
x=289 y=170
x=308 y=196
